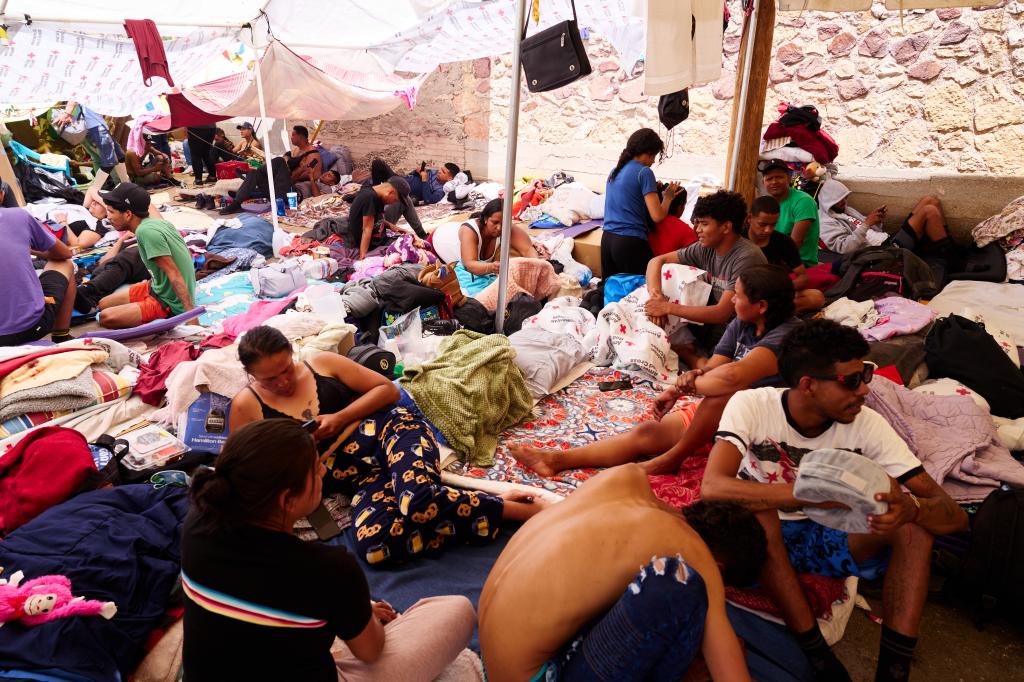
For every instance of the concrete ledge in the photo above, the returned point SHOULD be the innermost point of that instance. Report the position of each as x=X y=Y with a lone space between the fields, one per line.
x=966 y=199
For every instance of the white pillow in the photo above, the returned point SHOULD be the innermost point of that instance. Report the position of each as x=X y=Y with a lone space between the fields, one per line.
x=947 y=386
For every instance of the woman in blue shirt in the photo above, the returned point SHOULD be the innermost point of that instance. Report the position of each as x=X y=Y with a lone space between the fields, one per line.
x=632 y=206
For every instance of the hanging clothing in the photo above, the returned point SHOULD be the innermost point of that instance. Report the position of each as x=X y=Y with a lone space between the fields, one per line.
x=684 y=44
x=150 y=48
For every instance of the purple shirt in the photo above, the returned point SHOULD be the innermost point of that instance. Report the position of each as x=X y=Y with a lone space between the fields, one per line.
x=22 y=301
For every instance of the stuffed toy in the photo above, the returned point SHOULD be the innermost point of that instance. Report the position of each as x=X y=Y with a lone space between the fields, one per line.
x=814 y=171
x=41 y=600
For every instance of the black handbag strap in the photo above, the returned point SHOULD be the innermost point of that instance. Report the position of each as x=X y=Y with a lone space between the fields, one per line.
x=572 y=3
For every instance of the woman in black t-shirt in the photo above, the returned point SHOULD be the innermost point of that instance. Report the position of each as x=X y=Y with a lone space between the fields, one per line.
x=263 y=605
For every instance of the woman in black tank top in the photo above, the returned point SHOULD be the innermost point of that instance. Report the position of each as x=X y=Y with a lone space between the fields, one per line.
x=384 y=456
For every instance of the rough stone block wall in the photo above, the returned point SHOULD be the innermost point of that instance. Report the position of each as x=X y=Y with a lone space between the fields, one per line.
x=940 y=90
x=433 y=131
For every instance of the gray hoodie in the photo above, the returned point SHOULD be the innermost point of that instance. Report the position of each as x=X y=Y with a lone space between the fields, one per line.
x=843 y=232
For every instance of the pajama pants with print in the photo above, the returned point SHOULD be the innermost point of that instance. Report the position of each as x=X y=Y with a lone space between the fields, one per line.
x=390 y=466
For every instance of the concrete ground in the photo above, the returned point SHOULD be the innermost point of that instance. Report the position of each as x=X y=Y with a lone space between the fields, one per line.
x=950 y=647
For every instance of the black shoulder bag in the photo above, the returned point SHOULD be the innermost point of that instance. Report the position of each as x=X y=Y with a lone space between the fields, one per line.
x=555 y=56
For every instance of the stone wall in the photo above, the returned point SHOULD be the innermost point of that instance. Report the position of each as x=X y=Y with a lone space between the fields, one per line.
x=934 y=91
x=433 y=131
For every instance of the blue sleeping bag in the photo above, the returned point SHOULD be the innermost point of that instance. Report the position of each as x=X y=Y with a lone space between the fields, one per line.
x=117 y=544
x=772 y=653
x=256 y=234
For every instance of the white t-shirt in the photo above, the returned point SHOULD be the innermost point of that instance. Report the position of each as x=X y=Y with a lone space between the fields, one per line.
x=756 y=422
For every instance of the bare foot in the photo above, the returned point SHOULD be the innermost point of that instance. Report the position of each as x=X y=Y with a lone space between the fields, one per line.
x=534 y=458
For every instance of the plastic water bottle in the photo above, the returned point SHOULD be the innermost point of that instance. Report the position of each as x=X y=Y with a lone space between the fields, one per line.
x=280 y=206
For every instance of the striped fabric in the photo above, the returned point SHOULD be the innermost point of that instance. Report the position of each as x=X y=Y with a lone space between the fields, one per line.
x=109 y=387
x=239 y=609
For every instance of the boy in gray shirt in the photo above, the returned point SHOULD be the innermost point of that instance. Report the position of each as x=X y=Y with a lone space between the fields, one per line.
x=723 y=254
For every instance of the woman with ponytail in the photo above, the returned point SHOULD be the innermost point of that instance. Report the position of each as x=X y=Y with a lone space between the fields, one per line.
x=263 y=605
x=632 y=206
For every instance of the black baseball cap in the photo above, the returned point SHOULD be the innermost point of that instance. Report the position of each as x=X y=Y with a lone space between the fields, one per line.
x=244 y=125
x=401 y=186
x=773 y=164
x=127 y=196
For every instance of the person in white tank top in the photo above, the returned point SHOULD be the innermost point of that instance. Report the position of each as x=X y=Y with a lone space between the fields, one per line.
x=475 y=246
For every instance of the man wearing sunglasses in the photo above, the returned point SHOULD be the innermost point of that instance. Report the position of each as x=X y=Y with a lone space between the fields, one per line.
x=762 y=437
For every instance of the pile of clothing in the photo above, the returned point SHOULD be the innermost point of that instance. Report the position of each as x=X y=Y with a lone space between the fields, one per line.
x=38 y=383
x=801 y=126
x=1006 y=229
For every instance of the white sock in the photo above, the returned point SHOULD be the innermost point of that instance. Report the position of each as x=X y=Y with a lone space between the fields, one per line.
x=122 y=172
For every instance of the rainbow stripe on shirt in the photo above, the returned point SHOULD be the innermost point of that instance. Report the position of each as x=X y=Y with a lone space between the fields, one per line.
x=245 y=611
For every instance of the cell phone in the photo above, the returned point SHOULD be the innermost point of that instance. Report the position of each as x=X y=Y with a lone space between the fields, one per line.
x=313 y=163
x=311 y=426
x=323 y=523
x=620 y=385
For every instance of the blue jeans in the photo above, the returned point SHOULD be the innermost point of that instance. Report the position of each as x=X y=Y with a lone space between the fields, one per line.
x=652 y=632
x=110 y=151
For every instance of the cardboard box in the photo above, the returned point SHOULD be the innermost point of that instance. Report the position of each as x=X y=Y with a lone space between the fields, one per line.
x=205 y=425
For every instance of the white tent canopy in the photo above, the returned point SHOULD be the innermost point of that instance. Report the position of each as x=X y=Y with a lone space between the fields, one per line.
x=298 y=89
x=406 y=35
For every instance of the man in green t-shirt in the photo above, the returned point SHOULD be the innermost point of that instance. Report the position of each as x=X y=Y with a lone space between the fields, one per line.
x=172 y=284
x=798 y=216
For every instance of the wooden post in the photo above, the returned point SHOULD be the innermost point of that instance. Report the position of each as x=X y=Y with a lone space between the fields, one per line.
x=7 y=174
x=748 y=107
x=316 y=132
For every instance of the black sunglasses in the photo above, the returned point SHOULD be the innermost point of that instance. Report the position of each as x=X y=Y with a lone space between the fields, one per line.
x=851 y=381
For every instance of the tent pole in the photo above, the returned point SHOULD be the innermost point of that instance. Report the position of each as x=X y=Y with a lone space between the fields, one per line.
x=739 y=105
x=510 y=166
x=268 y=166
x=749 y=103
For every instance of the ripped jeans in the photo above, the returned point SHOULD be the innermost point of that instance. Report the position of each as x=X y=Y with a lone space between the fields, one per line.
x=651 y=633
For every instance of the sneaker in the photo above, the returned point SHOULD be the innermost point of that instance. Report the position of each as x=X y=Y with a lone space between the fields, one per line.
x=230 y=208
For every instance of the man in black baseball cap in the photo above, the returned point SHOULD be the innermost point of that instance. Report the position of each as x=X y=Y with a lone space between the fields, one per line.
x=172 y=284
x=798 y=214
x=127 y=197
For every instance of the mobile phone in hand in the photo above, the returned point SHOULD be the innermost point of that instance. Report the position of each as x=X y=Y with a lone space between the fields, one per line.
x=311 y=426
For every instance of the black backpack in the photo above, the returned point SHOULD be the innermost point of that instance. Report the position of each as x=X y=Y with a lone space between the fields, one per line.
x=875 y=271
x=993 y=570
x=962 y=349
x=375 y=358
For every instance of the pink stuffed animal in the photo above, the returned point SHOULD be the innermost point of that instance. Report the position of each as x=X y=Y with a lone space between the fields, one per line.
x=41 y=600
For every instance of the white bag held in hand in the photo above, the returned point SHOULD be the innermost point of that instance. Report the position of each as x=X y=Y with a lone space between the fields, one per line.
x=277 y=280
x=74 y=133
x=829 y=475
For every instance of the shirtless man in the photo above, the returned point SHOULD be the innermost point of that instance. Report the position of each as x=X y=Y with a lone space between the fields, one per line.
x=158 y=169
x=534 y=618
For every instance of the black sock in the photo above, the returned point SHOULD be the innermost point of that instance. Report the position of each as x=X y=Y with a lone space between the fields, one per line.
x=824 y=663
x=61 y=335
x=894 y=656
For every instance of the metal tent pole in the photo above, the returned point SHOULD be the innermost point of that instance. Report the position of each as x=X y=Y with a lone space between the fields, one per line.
x=268 y=166
x=510 y=166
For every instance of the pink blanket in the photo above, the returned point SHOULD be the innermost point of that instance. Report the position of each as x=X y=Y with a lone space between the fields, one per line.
x=533 y=276
x=953 y=437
